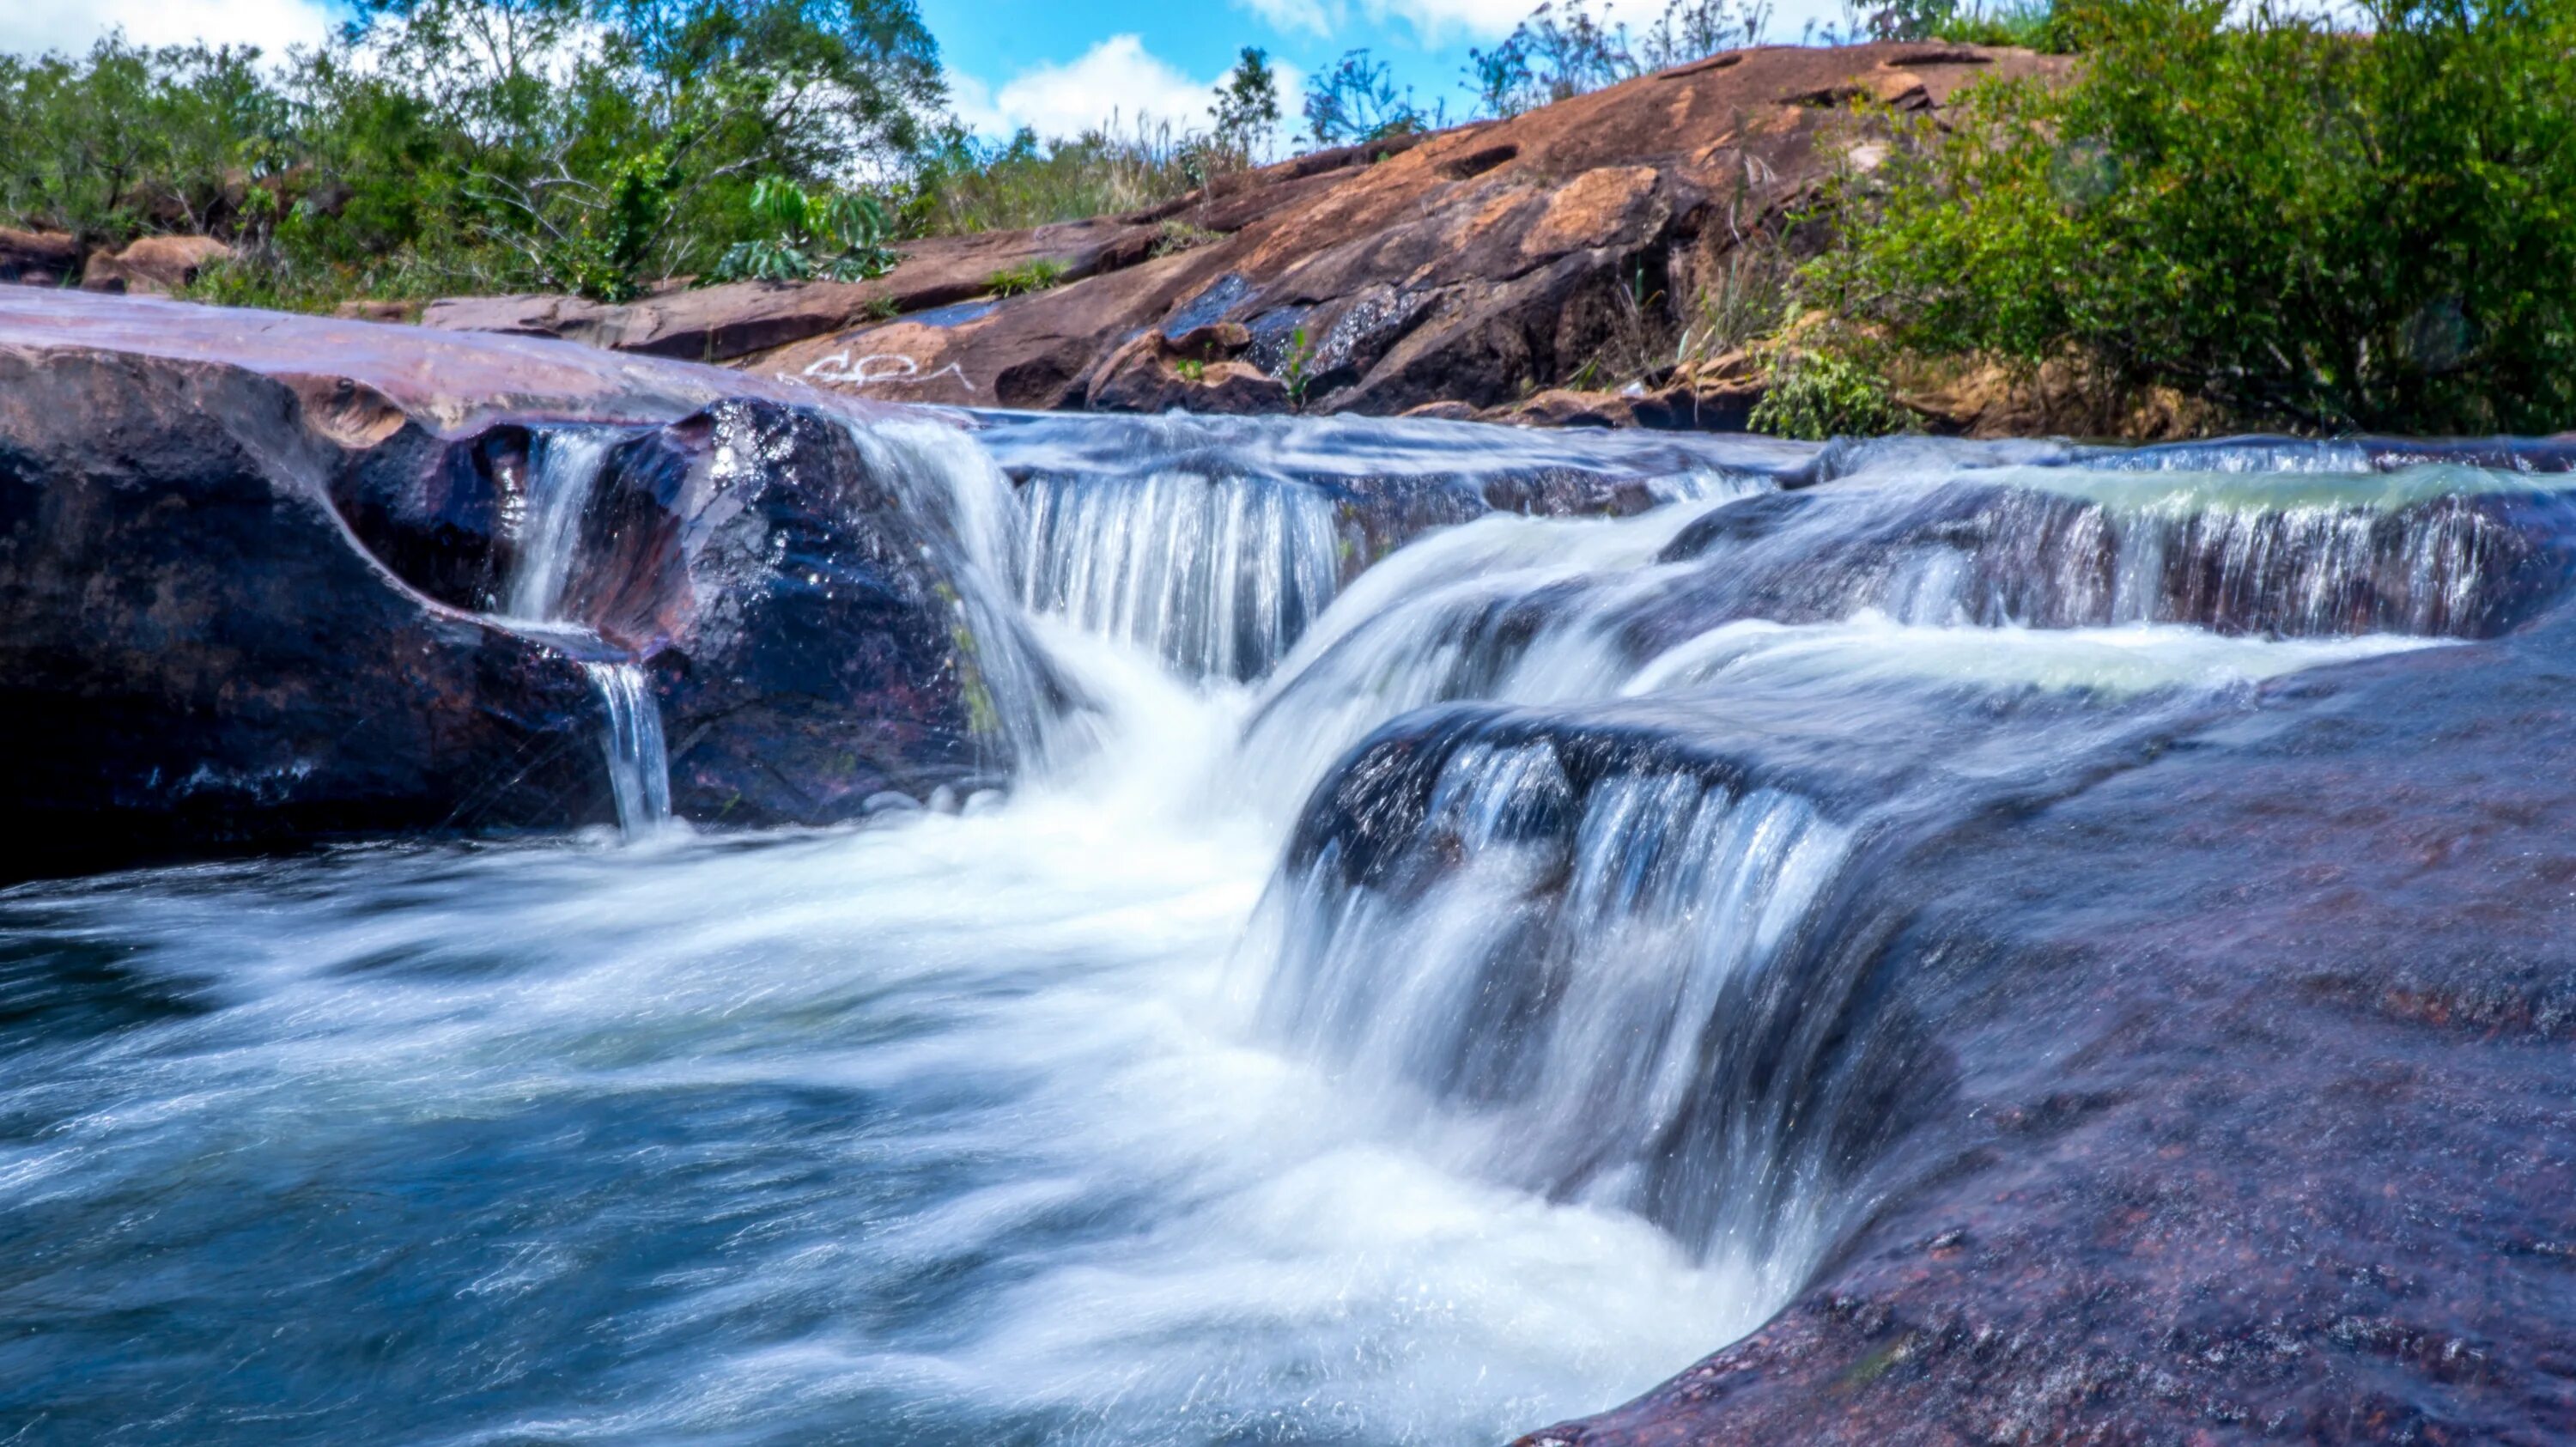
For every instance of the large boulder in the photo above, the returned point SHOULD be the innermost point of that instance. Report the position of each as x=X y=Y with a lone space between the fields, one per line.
x=195 y=654
x=252 y=572
x=809 y=614
x=2237 y=1101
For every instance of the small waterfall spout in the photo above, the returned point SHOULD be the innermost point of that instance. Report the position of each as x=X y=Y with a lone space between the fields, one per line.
x=639 y=770
x=562 y=476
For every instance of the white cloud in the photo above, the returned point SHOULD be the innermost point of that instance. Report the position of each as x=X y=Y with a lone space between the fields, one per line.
x=1316 y=17
x=1117 y=81
x=30 y=27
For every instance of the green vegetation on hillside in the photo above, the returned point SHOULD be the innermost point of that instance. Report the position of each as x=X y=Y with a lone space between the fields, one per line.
x=2306 y=225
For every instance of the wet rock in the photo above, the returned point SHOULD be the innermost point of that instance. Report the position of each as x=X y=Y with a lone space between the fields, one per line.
x=448 y=381
x=196 y=655
x=1198 y=371
x=801 y=612
x=2239 y=1106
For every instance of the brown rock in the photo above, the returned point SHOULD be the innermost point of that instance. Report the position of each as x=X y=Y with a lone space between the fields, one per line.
x=378 y=311
x=153 y=265
x=448 y=380
x=723 y=323
x=37 y=258
x=1477 y=265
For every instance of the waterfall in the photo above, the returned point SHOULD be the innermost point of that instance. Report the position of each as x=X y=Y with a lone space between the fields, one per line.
x=638 y=768
x=563 y=474
x=563 y=470
x=1217 y=575
x=1572 y=966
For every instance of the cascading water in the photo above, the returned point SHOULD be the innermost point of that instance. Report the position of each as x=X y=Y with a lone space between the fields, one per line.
x=1218 y=576
x=639 y=770
x=563 y=472
x=1408 y=1018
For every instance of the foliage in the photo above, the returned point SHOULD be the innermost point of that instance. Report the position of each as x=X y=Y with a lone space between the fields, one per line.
x=2296 y=223
x=457 y=145
x=1246 y=110
x=2030 y=24
x=131 y=139
x=1357 y=101
x=1175 y=236
x=961 y=185
x=1035 y=276
x=1817 y=395
x=1297 y=370
x=1750 y=299
x=838 y=235
x=1557 y=54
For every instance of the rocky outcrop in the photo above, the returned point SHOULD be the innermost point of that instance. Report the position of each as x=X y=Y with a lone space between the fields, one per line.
x=2296 y=1162
x=194 y=655
x=249 y=590
x=38 y=258
x=735 y=320
x=1469 y=269
x=358 y=377
x=153 y=265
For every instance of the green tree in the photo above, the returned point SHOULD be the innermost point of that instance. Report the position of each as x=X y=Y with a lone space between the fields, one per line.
x=1247 y=108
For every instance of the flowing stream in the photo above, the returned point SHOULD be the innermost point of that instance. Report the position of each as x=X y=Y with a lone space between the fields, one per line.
x=1396 y=1009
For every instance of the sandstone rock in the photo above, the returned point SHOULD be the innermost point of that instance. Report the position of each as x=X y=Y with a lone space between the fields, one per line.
x=450 y=381
x=1195 y=372
x=153 y=265
x=1477 y=265
x=2297 y=1165
x=722 y=323
x=250 y=606
x=38 y=258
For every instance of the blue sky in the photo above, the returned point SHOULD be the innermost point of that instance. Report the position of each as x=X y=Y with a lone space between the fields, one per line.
x=1057 y=65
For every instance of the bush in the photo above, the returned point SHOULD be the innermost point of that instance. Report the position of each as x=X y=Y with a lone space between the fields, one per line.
x=1041 y=275
x=2303 y=225
x=1357 y=101
x=961 y=185
x=1817 y=395
x=836 y=235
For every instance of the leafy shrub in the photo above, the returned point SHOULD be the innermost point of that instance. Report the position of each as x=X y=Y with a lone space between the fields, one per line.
x=2030 y=24
x=1039 y=275
x=2299 y=224
x=1817 y=395
x=837 y=235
